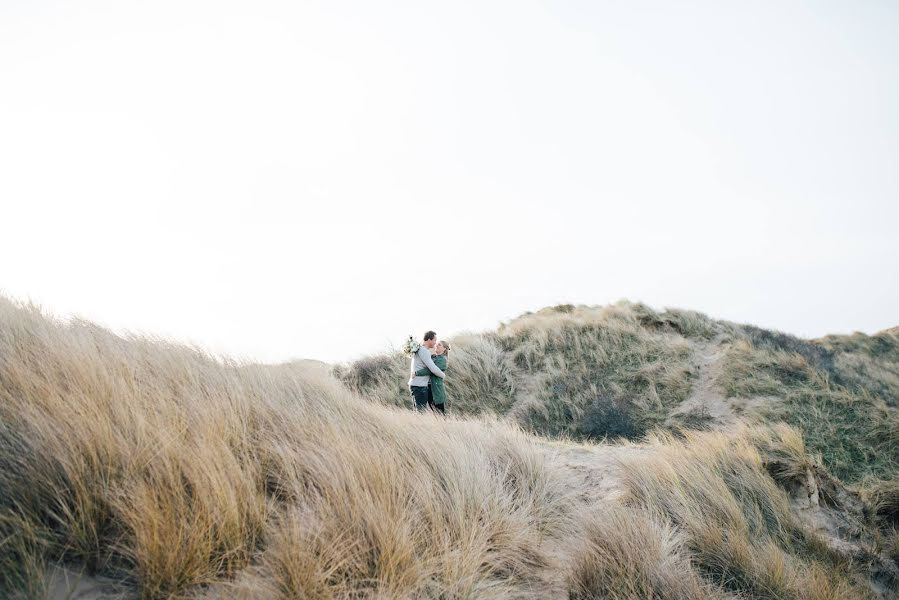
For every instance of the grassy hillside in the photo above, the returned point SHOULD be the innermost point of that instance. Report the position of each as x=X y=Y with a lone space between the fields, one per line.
x=165 y=473
x=623 y=370
x=580 y=372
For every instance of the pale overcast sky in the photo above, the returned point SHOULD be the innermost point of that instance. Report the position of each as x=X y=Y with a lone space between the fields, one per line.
x=277 y=180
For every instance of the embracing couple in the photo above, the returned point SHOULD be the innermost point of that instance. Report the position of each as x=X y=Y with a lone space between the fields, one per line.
x=428 y=370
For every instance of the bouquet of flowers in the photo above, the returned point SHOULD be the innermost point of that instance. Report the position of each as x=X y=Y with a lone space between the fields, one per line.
x=410 y=347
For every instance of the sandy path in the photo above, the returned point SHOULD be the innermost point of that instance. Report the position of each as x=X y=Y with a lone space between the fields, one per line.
x=706 y=400
x=592 y=471
x=592 y=475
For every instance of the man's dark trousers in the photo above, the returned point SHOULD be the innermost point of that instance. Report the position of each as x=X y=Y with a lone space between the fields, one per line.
x=419 y=397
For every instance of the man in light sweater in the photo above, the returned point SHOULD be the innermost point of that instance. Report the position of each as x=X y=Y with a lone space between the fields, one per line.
x=418 y=384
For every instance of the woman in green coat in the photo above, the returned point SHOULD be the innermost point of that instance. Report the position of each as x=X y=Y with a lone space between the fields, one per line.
x=436 y=389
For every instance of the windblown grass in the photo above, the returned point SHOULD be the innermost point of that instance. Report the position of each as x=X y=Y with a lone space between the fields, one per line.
x=867 y=363
x=632 y=553
x=737 y=522
x=170 y=469
x=597 y=372
x=23 y=566
x=853 y=428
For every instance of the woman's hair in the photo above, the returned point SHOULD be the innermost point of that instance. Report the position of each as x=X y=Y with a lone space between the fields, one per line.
x=446 y=347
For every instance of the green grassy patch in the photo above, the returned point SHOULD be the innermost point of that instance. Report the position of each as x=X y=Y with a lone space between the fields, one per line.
x=854 y=430
x=609 y=378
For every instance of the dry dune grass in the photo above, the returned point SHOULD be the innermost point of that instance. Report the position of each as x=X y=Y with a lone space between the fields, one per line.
x=737 y=522
x=183 y=475
x=631 y=553
x=702 y=517
x=596 y=371
x=172 y=469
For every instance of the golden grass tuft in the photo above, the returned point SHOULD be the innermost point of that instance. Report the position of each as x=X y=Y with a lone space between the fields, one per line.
x=629 y=553
x=738 y=523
